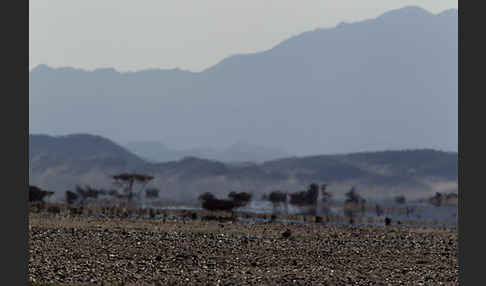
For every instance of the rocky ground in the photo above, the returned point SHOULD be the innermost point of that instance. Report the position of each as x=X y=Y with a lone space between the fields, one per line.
x=82 y=250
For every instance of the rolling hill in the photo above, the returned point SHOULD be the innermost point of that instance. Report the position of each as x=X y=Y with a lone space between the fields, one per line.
x=238 y=152
x=60 y=163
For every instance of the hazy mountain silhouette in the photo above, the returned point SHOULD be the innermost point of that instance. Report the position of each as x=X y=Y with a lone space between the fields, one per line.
x=80 y=147
x=61 y=163
x=238 y=152
x=380 y=84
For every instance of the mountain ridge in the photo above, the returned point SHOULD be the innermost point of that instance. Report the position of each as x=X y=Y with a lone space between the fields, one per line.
x=238 y=152
x=399 y=11
x=370 y=85
x=377 y=174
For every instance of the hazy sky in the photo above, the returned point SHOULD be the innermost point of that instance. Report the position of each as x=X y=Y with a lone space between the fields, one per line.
x=191 y=35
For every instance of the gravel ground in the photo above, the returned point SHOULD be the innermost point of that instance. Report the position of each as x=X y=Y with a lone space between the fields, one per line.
x=111 y=251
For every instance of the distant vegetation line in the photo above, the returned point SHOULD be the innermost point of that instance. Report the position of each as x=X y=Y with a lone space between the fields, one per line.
x=61 y=163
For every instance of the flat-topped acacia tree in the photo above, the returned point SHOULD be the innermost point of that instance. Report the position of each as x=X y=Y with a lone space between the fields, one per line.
x=128 y=180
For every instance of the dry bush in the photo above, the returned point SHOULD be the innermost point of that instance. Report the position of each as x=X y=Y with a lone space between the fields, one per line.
x=305 y=198
x=211 y=203
x=36 y=194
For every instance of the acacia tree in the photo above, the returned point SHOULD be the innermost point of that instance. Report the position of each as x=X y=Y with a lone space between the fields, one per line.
x=127 y=182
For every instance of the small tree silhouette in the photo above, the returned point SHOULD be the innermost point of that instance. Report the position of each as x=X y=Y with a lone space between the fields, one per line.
x=451 y=196
x=304 y=198
x=114 y=193
x=127 y=182
x=71 y=197
x=326 y=198
x=350 y=214
x=152 y=193
x=400 y=200
x=353 y=197
x=353 y=201
x=379 y=210
x=436 y=200
x=36 y=194
x=206 y=196
x=211 y=203
x=241 y=199
x=87 y=193
x=277 y=198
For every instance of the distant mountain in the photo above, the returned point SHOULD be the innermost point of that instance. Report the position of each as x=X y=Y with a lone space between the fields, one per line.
x=81 y=147
x=61 y=163
x=388 y=83
x=245 y=152
x=383 y=168
x=238 y=152
x=154 y=151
